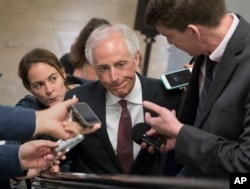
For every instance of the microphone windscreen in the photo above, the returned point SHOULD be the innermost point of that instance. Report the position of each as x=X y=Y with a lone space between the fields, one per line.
x=138 y=131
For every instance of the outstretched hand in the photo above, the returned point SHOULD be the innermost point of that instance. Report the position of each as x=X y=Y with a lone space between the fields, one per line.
x=165 y=124
x=75 y=128
x=54 y=121
x=169 y=145
x=37 y=154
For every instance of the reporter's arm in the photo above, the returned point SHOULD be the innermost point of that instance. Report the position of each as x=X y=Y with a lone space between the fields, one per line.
x=51 y=121
x=55 y=122
x=16 y=123
x=9 y=161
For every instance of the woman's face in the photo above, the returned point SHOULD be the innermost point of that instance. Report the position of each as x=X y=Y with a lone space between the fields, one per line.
x=46 y=84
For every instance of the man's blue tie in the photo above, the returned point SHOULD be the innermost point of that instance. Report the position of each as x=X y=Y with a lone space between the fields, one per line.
x=206 y=86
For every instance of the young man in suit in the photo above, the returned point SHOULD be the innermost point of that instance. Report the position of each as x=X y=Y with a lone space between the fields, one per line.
x=114 y=52
x=213 y=140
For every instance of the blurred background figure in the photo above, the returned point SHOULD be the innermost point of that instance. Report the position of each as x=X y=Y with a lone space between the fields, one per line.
x=75 y=62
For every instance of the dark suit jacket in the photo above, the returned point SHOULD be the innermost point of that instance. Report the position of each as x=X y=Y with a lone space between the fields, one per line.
x=95 y=154
x=16 y=124
x=221 y=142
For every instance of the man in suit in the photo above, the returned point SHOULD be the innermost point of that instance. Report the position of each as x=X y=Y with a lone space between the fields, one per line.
x=114 y=53
x=215 y=141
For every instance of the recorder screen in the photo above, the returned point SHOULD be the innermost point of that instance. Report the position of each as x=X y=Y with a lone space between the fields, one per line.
x=86 y=113
x=179 y=78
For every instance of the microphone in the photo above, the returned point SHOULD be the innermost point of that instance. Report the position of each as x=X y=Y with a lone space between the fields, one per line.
x=138 y=135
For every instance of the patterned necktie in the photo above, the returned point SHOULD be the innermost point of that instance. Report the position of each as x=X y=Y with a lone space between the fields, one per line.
x=124 y=139
x=206 y=86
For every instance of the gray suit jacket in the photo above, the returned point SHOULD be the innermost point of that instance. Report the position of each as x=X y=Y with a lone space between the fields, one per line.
x=95 y=154
x=221 y=142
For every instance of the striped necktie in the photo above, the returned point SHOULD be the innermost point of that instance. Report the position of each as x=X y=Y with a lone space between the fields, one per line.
x=206 y=86
x=124 y=139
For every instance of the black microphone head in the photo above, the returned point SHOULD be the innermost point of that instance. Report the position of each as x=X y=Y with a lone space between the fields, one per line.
x=138 y=131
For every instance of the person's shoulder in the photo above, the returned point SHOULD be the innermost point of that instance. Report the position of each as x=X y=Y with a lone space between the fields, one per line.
x=147 y=79
x=157 y=85
x=150 y=83
x=86 y=90
x=29 y=101
x=77 y=80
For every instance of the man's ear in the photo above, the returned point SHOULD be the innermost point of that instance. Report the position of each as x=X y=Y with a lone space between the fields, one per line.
x=195 y=30
x=138 y=61
x=137 y=57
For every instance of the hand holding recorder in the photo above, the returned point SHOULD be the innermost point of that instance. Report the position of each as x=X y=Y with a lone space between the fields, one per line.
x=84 y=115
x=139 y=136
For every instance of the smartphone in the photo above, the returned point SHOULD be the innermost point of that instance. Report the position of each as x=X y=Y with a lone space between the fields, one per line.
x=84 y=115
x=176 y=79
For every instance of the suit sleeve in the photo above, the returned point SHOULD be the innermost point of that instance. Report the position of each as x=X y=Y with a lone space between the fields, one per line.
x=202 y=151
x=9 y=161
x=16 y=123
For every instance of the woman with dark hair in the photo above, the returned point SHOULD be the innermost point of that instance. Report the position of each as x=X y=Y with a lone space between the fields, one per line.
x=44 y=77
x=76 y=58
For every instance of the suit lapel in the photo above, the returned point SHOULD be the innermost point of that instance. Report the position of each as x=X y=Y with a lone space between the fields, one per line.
x=102 y=133
x=225 y=67
x=149 y=92
x=191 y=98
x=223 y=73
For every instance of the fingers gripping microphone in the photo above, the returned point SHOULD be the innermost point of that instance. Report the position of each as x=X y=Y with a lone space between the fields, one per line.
x=138 y=135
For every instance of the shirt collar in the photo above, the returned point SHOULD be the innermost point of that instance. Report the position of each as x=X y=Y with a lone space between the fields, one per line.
x=135 y=95
x=218 y=52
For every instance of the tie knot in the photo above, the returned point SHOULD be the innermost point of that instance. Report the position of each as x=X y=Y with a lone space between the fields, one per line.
x=210 y=69
x=123 y=103
x=210 y=64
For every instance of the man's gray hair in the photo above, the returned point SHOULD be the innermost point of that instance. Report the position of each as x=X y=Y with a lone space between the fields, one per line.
x=104 y=31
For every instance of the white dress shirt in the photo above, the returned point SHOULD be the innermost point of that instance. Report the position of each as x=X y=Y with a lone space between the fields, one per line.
x=113 y=112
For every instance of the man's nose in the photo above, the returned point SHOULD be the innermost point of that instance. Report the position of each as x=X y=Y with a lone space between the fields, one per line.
x=113 y=74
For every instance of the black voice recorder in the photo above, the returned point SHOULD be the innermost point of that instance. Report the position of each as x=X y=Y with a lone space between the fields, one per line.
x=138 y=135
